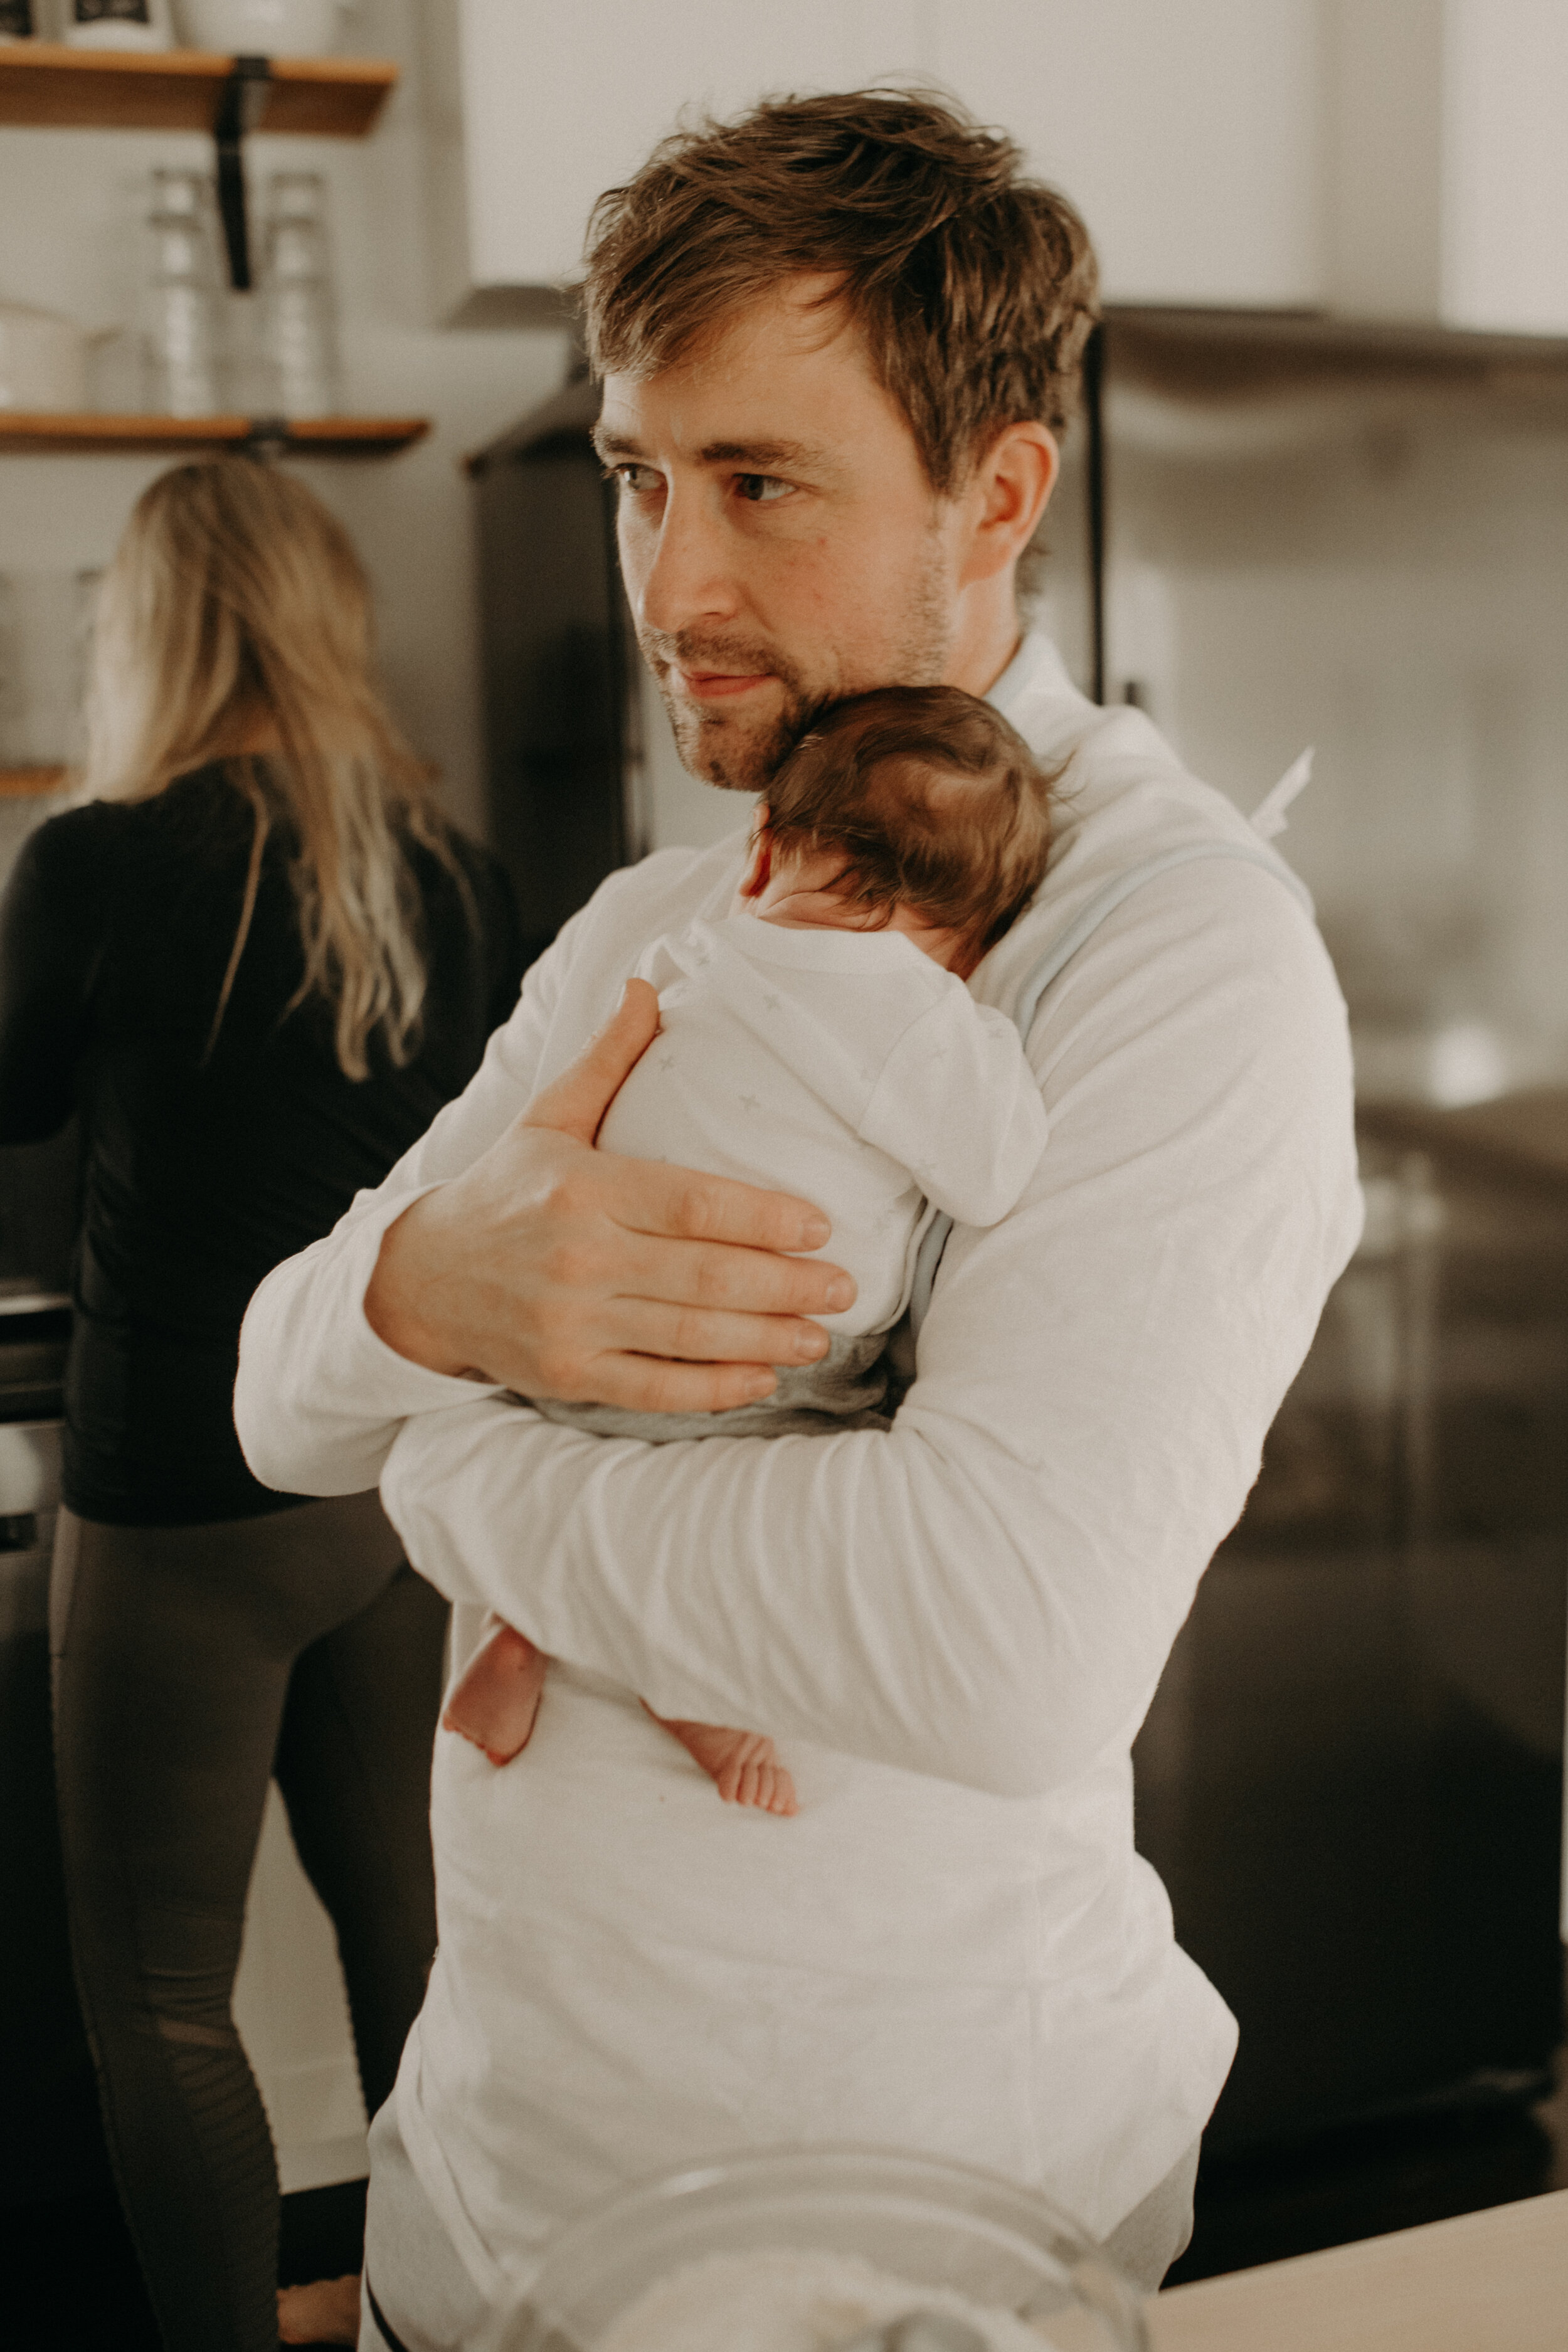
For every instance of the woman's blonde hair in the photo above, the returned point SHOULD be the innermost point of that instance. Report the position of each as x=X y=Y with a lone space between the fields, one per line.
x=234 y=627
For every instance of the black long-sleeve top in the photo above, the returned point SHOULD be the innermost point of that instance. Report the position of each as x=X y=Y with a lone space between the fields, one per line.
x=201 y=1171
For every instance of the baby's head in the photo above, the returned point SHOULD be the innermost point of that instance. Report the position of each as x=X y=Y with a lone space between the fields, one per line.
x=913 y=807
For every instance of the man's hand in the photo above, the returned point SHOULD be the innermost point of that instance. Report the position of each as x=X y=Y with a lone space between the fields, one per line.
x=564 y=1272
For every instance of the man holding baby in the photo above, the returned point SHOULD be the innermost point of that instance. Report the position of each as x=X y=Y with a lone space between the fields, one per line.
x=837 y=340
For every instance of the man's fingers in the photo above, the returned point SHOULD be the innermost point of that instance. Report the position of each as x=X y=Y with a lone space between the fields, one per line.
x=576 y=1103
x=645 y=1195
x=562 y=1270
x=723 y=1281
x=649 y=1197
x=697 y=1335
x=654 y=1384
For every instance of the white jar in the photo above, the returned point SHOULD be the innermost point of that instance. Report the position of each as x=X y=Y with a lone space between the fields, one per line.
x=182 y=315
x=116 y=24
x=299 y=314
x=264 y=28
x=43 y=359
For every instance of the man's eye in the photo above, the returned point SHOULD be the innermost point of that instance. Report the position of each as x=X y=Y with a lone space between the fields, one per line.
x=636 y=479
x=761 y=490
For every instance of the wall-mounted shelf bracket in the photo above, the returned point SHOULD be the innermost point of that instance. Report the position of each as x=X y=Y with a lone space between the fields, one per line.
x=268 y=436
x=238 y=110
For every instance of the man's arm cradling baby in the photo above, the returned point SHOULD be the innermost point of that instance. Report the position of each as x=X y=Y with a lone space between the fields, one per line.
x=926 y=781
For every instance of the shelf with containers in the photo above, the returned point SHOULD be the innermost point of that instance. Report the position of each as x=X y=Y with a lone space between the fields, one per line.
x=47 y=85
x=49 y=432
x=43 y=85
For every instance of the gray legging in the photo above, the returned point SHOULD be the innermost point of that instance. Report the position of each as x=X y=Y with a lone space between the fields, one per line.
x=190 y=1664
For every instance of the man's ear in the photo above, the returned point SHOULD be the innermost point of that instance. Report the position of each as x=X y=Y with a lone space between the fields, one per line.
x=1006 y=495
x=760 y=865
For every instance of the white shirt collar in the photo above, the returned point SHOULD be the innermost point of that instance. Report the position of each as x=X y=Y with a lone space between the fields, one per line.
x=1036 y=668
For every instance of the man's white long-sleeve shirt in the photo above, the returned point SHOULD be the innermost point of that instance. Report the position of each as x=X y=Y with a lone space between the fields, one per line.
x=952 y=1627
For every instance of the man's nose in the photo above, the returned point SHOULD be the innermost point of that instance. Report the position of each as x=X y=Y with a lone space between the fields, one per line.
x=691 y=579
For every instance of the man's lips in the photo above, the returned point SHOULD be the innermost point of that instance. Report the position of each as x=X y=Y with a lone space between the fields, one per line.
x=719 y=685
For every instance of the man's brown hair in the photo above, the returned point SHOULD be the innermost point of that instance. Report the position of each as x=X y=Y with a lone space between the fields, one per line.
x=931 y=800
x=974 y=289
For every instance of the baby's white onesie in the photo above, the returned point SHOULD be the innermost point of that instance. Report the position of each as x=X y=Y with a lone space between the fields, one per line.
x=849 y=1069
x=842 y=1065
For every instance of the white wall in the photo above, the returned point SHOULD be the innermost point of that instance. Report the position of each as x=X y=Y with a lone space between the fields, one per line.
x=1446 y=186
x=1505 y=198
x=292 y=2015
x=1189 y=131
x=72 y=202
x=1386 y=577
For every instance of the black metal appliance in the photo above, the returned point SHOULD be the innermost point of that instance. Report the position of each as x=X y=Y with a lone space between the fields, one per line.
x=52 y=2145
x=560 y=712
x=1351 y=1780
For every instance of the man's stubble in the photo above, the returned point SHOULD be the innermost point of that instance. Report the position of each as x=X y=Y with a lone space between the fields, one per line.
x=726 y=751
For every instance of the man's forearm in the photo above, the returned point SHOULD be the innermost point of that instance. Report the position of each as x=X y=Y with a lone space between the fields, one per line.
x=886 y=1596
x=505 y=1251
x=318 y=1398
x=405 y=1287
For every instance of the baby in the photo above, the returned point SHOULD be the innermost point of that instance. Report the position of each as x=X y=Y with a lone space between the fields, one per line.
x=821 y=1041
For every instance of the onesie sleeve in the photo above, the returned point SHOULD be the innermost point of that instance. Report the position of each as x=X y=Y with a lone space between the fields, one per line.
x=957 y=1104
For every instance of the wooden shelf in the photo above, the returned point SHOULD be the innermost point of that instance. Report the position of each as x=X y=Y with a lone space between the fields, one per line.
x=46 y=84
x=29 y=783
x=51 y=433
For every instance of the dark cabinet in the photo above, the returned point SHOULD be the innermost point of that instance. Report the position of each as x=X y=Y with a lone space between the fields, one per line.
x=1351 y=1780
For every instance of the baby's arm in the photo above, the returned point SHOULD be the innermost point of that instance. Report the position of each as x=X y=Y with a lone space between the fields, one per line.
x=958 y=1104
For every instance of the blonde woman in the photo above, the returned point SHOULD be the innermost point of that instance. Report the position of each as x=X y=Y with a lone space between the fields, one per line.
x=256 y=961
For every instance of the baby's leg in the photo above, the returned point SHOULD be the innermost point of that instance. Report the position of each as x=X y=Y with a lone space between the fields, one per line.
x=495 y=1697
x=744 y=1764
x=325 y=2312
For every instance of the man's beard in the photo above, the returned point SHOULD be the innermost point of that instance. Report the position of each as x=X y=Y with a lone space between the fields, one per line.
x=723 y=748
x=718 y=745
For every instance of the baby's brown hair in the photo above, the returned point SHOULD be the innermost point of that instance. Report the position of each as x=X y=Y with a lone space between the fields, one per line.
x=932 y=799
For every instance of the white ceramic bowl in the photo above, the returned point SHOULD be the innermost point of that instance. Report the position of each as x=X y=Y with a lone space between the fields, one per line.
x=939 y=2225
x=43 y=359
x=261 y=29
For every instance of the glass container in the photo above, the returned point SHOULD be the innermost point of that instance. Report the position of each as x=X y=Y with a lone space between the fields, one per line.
x=941 y=2227
x=116 y=24
x=44 y=616
x=298 y=306
x=183 y=337
x=270 y=28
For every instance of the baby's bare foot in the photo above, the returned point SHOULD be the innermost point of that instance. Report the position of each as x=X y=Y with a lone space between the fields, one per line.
x=325 y=2312
x=744 y=1764
x=495 y=1697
